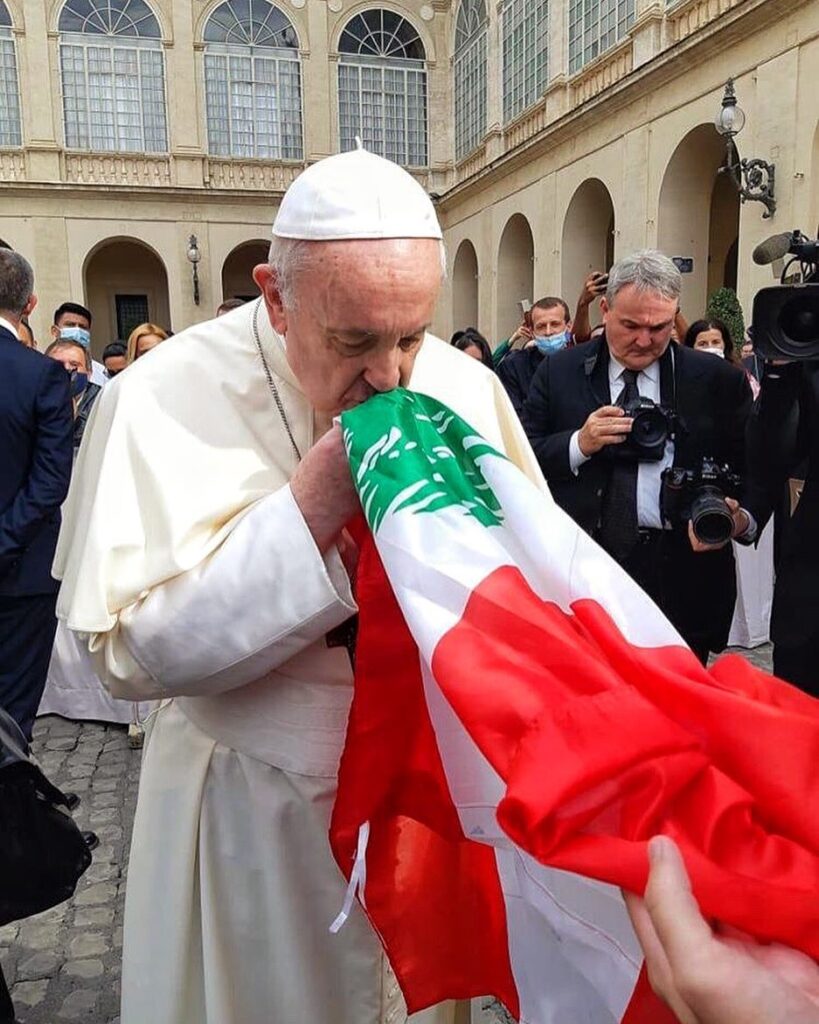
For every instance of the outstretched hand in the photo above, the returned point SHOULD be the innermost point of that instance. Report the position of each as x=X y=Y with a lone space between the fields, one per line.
x=714 y=978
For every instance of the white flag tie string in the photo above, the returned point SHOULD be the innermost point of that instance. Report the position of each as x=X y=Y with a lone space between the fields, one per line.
x=358 y=879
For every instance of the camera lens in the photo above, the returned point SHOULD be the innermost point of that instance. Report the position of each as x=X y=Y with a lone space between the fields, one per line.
x=799 y=320
x=710 y=516
x=649 y=429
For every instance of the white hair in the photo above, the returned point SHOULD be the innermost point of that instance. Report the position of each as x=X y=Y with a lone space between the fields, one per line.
x=290 y=257
x=649 y=271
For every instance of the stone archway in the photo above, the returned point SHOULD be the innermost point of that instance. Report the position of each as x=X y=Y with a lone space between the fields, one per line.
x=515 y=280
x=237 y=270
x=588 y=237
x=125 y=284
x=465 y=287
x=723 y=235
x=698 y=217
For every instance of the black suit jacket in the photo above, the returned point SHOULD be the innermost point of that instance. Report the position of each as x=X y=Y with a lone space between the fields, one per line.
x=712 y=401
x=783 y=441
x=711 y=398
x=36 y=427
x=516 y=373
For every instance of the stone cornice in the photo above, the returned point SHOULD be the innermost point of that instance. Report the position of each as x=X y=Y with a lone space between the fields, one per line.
x=150 y=193
x=671 y=63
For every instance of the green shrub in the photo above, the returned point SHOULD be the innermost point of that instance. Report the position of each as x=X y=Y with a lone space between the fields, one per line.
x=724 y=305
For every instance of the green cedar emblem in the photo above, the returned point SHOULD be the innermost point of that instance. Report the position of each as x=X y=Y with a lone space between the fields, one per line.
x=407 y=451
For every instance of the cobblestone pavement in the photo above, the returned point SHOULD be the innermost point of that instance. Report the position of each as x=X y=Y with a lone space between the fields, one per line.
x=64 y=965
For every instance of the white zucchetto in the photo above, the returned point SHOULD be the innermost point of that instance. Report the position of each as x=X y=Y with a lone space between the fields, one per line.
x=355 y=195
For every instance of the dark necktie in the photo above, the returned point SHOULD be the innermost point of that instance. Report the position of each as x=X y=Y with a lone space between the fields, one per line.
x=618 y=523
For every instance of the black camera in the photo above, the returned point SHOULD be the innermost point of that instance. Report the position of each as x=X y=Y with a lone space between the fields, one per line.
x=653 y=425
x=786 y=317
x=699 y=495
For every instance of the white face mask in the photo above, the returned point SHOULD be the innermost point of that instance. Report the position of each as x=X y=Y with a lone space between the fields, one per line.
x=715 y=350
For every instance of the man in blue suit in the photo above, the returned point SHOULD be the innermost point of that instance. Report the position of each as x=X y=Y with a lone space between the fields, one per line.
x=36 y=426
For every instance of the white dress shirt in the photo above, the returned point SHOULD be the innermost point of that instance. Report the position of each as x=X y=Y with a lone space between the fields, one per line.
x=9 y=327
x=648 y=473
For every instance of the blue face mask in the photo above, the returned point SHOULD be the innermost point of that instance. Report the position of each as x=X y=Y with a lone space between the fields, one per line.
x=77 y=334
x=552 y=344
x=79 y=382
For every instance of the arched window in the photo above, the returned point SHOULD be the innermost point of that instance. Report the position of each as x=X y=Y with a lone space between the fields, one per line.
x=253 y=82
x=10 y=134
x=525 y=25
x=382 y=87
x=113 y=76
x=594 y=26
x=470 y=76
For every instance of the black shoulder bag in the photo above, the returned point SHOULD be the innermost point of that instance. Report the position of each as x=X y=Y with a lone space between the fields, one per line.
x=42 y=852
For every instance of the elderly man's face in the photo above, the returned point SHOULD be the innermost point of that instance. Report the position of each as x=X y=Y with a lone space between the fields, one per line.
x=638 y=326
x=361 y=311
x=71 y=356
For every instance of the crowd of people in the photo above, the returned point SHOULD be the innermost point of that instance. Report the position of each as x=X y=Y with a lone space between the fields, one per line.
x=204 y=557
x=633 y=419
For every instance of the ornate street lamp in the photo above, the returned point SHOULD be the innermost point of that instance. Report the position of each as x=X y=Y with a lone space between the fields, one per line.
x=194 y=256
x=753 y=178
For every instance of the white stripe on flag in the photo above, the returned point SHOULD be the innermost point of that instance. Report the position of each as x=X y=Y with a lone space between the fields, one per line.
x=435 y=560
x=574 y=956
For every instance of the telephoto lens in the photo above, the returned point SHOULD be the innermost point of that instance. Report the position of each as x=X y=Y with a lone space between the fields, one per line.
x=710 y=516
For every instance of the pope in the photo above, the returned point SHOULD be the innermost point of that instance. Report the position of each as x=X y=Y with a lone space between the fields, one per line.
x=204 y=556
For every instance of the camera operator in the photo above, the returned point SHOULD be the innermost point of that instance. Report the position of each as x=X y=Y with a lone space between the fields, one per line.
x=783 y=442
x=608 y=420
x=783 y=433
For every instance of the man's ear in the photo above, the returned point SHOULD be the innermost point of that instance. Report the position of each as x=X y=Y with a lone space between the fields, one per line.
x=30 y=306
x=604 y=307
x=265 y=278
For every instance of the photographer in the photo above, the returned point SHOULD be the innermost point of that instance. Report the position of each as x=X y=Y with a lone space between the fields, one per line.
x=783 y=443
x=783 y=433
x=609 y=419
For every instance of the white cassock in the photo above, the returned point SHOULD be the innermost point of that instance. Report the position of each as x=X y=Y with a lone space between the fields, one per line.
x=186 y=559
x=73 y=689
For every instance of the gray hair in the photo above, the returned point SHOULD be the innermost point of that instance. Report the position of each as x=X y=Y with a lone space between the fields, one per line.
x=649 y=271
x=289 y=257
x=16 y=282
x=62 y=343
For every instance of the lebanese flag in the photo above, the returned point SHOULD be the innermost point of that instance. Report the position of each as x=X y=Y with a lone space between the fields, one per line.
x=524 y=720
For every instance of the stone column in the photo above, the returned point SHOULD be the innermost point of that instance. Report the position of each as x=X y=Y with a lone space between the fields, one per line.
x=494 y=84
x=647 y=31
x=185 y=99
x=40 y=93
x=319 y=103
x=631 y=227
x=440 y=84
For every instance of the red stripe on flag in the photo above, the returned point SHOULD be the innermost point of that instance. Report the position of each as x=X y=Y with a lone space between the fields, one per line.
x=645 y=1007
x=433 y=896
x=603 y=744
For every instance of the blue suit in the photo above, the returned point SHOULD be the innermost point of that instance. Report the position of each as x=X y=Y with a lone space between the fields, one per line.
x=36 y=426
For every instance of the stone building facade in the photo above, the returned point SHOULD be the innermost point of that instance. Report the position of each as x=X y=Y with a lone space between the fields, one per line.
x=554 y=136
